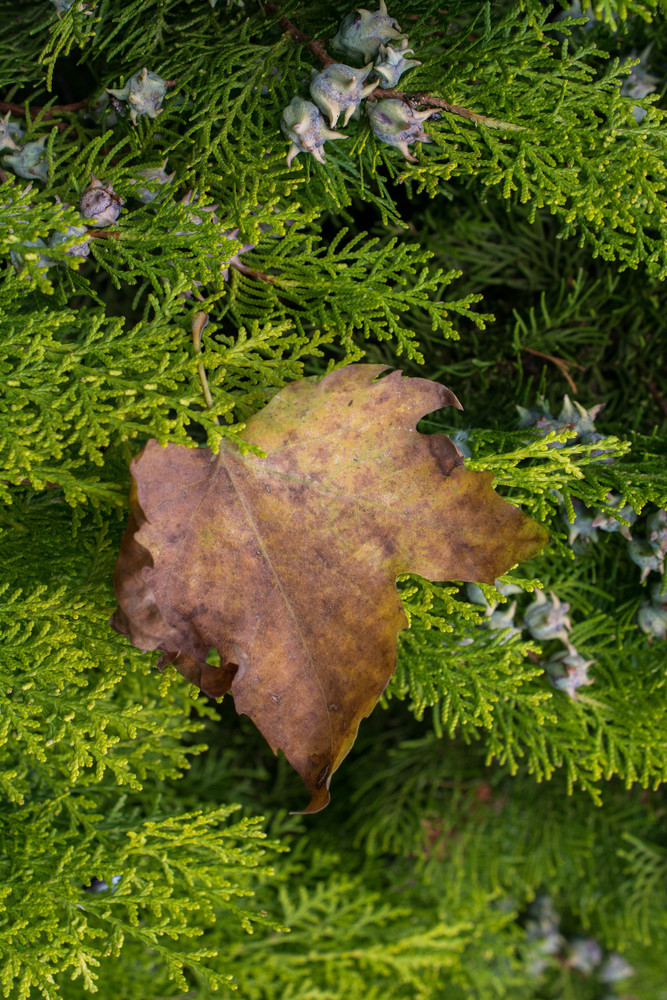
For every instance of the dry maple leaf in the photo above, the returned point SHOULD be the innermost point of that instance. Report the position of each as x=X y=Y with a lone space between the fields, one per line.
x=287 y=564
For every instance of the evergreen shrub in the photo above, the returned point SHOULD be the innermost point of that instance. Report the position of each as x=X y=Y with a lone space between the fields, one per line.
x=499 y=828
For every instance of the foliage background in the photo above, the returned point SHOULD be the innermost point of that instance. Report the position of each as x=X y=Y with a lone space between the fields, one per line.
x=478 y=786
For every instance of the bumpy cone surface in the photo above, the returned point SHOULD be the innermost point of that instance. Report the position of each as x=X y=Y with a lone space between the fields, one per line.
x=30 y=161
x=81 y=249
x=6 y=137
x=391 y=63
x=546 y=618
x=339 y=89
x=306 y=130
x=569 y=671
x=158 y=175
x=642 y=554
x=144 y=92
x=99 y=203
x=398 y=124
x=362 y=32
x=652 y=620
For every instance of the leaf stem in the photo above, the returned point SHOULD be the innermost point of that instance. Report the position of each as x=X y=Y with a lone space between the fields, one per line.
x=199 y=321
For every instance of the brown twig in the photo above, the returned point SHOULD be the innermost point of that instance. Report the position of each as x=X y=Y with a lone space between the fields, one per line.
x=244 y=269
x=560 y=363
x=325 y=59
x=20 y=109
x=438 y=102
x=296 y=35
x=102 y=234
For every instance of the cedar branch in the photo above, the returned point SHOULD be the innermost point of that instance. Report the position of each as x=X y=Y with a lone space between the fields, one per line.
x=320 y=53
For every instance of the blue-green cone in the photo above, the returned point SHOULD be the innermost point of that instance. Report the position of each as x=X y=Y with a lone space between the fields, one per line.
x=397 y=123
x=362 y=32
x=306 y=130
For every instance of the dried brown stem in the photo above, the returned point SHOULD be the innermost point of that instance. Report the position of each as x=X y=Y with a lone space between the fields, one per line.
x=20 y=109
x=296 y=35
x=560 y=363
x=102 y=234
x=244 y=269
x=434 y=102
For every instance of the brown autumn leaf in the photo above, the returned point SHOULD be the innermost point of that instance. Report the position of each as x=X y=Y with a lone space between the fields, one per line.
x=287 y=564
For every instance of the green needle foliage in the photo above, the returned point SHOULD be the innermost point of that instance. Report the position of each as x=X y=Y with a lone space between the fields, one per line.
x=498 y=829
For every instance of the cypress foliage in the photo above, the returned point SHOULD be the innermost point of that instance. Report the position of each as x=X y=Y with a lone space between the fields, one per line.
x=498 y=830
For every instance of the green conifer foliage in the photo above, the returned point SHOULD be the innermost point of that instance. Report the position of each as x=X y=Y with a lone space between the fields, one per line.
x=520 y=259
